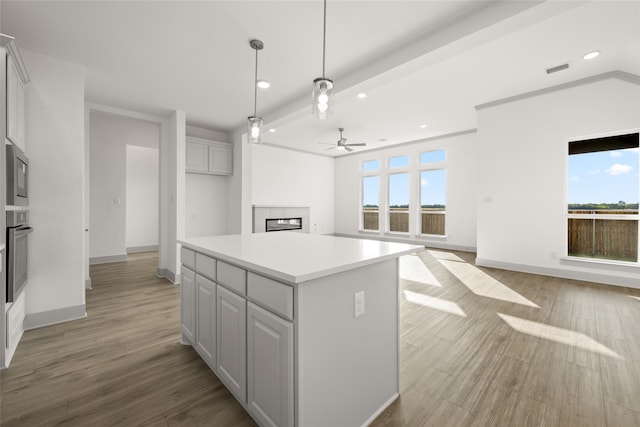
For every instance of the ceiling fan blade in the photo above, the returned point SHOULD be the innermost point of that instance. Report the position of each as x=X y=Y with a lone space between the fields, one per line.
x=347 y=148
x=360 y=144
x=330 y=148
x=326 y=143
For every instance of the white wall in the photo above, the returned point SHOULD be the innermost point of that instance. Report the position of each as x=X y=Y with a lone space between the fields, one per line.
x=205 y=205
x=461 y=181
x=142 y=203
x=206 y=195
x=110 y=135
x=281 y=177
x=172 y=198
x=55 y=128
x=522 y=181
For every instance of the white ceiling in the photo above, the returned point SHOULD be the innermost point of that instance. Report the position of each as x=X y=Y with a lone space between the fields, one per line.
x=419 y=62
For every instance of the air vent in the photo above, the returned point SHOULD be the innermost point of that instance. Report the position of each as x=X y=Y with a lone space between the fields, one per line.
x=557 y=68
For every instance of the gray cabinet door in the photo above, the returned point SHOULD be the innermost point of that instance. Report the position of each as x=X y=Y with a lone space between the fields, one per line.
x=188 y=308
x=206 y=319
x=270 y=367
x=231 y=342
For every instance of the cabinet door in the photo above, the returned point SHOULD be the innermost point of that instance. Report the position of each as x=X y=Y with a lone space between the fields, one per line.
x=231 y=342
x=206 y=319
x=270 y=367
x=197 y=159
x=15 y=105
x=220 y=159
x=188 y=299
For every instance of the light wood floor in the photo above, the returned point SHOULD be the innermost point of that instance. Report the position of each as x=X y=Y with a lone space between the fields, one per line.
x=479 y=347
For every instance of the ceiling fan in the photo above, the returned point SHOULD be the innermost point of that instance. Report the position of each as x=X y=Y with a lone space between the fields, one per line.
x=341 y=144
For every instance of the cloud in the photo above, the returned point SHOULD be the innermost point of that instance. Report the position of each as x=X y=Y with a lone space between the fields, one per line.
x=615 y=154
x=618 y=169
x=424 y=182
x=574 y=178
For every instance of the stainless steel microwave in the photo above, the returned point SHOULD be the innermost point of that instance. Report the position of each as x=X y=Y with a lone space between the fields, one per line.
x=17 y=177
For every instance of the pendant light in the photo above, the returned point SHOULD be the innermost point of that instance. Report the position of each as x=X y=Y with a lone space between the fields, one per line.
x=322 y=103
x=254 y=123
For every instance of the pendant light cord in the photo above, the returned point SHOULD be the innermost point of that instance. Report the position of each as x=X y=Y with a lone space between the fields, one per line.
x=324 y=35
x=255 y=88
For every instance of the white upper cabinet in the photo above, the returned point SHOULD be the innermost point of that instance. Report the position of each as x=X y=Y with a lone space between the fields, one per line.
x=15 y=106
x=210 y=157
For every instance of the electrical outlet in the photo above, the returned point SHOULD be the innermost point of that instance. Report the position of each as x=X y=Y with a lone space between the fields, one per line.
x=358 y=304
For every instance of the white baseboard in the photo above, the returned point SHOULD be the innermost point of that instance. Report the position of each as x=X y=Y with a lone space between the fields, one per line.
x=559 y=272
x=51 y=317
x=107 y=259
x=135 y=249
x=164 y=273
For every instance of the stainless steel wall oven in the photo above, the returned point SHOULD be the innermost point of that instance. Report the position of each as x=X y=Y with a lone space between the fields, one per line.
x=18 y=230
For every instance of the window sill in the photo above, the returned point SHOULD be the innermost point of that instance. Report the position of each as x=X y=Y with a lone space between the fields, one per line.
x=599 y=262
x=442 y=237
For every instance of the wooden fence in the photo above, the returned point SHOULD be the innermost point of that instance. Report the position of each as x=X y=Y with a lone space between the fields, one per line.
x=432 y=222
x=600 y=237
x=603 y=238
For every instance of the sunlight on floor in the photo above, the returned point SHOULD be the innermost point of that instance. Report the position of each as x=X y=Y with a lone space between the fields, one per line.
x=480 y=283
x=631 y=296
x=444 y=255
x=559 y=335
x=413 y=268
x=435 y=303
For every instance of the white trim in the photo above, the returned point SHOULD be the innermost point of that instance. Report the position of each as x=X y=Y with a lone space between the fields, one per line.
x=107 y=259
x=12 y=48
x=87 y=284
x=164 y=273
x=148 y=248
x=384 y=406
x=628 y=77
x=559 y=272
x=52 y=317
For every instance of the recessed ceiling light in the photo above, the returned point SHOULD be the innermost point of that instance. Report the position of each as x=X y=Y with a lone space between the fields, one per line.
x=591 y=55
x=263 y=84
x=362 y=95
x=272 y=130
x=423 y=126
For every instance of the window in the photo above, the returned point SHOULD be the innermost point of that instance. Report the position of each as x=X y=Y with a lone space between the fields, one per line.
x=399 y=202
x=370 y=203
x=602 y=196
x=398 y=161
x=370 y=165
x=433 y=156
x=432 y=201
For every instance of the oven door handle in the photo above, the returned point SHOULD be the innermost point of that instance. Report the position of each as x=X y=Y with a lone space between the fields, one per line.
x=26 y=228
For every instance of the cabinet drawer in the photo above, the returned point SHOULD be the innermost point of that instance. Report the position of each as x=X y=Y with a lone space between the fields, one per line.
x=188 y=258
x=232 y=277
x=273 y=295
x=206 y=266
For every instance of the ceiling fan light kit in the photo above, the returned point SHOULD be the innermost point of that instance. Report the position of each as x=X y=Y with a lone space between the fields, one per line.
x=322 y=103
x=254 y=123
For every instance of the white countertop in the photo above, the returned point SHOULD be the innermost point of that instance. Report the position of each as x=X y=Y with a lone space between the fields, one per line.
x=297 y=257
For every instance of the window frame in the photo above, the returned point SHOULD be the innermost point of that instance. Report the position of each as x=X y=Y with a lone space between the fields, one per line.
x=419 y=207
x=595 y=216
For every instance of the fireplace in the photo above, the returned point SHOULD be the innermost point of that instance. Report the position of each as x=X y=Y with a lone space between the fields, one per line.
x=283 y=224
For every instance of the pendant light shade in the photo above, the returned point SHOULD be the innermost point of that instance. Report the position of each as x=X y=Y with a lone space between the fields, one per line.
x=254 y=123
x=322 y=98
x=254 y=129
x=322 y=103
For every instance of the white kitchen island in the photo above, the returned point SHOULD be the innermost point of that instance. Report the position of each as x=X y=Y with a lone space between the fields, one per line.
x=274 y=316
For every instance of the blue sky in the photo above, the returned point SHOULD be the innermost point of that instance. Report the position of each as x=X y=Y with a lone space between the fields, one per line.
x=603 y=177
